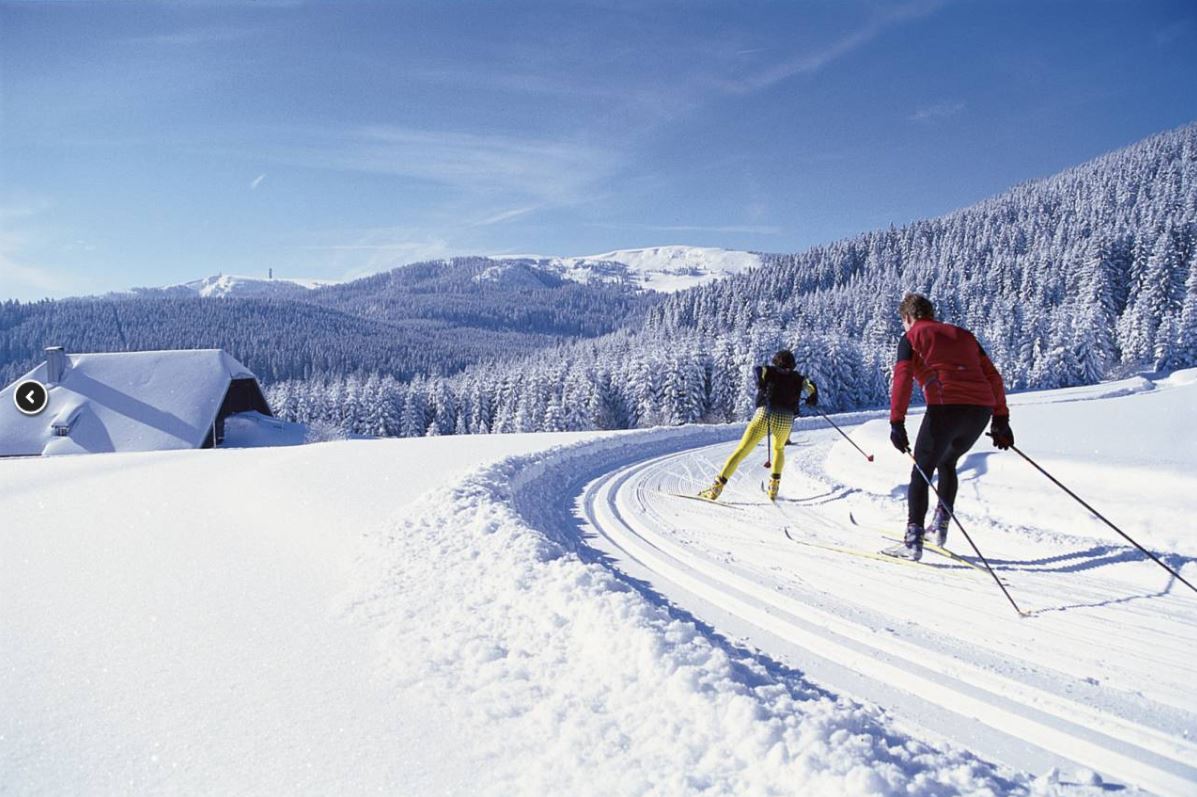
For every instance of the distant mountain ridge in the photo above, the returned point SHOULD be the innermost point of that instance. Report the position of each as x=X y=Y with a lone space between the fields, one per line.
x=665 y=269
x=434 y=317
x=1067 y=280
x=225 y=285
x=425 y=318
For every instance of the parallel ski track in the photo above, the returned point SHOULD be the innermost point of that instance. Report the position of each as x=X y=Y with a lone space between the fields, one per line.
x=865 y=615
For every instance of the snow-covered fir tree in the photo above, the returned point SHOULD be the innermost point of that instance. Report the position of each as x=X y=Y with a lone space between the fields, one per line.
x=1064 y=281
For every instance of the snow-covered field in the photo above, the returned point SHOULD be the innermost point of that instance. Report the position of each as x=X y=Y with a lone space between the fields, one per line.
x=666 y=269
x=222 y=285
x=533 y=614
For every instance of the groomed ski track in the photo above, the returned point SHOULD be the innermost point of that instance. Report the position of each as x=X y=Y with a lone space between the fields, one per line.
x=935 y=644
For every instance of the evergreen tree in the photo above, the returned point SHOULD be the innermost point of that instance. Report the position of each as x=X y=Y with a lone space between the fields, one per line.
x=1093 y=333
x=1058 y=278
x=1186 y=334
x=554 y=418
x=415 y=423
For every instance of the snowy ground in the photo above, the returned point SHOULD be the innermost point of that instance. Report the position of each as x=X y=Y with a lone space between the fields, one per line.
x=666 y=269
x=387 y=615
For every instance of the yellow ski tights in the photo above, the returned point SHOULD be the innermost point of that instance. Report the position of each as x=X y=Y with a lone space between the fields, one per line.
x=777 y=425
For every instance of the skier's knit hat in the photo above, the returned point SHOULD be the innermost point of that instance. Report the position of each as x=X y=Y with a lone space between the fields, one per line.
x=784 y=359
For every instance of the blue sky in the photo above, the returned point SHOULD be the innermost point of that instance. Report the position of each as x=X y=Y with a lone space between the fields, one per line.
x=153 y=143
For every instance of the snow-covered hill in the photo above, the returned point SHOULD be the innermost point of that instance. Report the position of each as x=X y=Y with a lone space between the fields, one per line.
x=222 y=285
x=660 y=268
x=532 y=614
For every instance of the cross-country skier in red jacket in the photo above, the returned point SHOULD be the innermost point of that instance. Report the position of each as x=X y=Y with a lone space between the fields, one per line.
x=962 y=390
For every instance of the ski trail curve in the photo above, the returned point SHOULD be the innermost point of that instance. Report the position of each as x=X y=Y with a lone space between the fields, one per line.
x=935 y=644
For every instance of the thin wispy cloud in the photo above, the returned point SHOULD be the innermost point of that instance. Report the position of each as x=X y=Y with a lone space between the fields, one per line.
x=942 y=110
x=816 y=60
x=25 y=241
x=731 y=228
x=402 y=246
x=18 y=278
x=18 y=211
x=530 y=127
x=650 y=97
x=22 y=280
x=513 y=81
x=194 y=37
x=371 y=250
x=399 y=253
x=545 y=169
x=507 y=215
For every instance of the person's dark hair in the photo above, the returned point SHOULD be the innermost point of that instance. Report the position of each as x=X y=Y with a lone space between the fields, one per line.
x=784 y=359
x=917 y=307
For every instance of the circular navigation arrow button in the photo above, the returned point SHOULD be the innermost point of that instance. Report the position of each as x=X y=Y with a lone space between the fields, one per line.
x=31 y=397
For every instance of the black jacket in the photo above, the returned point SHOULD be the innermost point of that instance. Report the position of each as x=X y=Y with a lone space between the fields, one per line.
x=780 y=389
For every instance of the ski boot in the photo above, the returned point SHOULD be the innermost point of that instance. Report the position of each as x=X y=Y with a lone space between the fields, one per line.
x=939 y=524
x=712 y=493
x=912 y=544
x=774 y=486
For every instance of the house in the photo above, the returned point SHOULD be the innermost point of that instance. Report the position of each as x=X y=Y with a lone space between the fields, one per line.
x=129 y=401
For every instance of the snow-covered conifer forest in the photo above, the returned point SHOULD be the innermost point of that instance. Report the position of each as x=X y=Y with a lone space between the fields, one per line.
x=1088 y=274
x=403 y=322
x=1085 y=275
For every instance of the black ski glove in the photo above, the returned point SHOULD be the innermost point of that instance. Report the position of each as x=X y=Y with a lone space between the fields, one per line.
x=897 y=436
x=813 y=398
x=1002 y=434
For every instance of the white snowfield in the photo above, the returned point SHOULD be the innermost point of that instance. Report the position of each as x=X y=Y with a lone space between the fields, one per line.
x=387 y=616
x=222 y=285
x=666 y=269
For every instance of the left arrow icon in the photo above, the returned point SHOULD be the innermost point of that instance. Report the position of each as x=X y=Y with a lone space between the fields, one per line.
x=31 y=397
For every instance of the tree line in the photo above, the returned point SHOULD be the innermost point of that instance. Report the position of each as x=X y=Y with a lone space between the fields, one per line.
x=427 y=319
x=1086 y=275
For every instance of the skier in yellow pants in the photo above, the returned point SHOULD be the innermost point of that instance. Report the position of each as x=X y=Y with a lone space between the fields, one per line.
x=779 y=390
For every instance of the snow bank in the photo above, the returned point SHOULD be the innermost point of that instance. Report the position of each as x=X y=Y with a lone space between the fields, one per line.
x=1129 y=448
x=175 y=622
x=255 y=430
x=576 y=682
x=373 y=616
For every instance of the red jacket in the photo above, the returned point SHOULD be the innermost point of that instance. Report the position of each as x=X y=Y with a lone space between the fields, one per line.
x=950 y=366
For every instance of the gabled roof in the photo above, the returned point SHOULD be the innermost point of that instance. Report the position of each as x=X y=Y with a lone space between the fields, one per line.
x=125 y=401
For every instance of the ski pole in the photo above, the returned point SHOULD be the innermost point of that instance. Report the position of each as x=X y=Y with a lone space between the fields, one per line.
x=1100 y=516
x=869 y=457
x=952 y=514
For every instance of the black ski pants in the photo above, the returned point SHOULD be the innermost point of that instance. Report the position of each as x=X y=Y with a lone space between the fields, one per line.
x=947 y=432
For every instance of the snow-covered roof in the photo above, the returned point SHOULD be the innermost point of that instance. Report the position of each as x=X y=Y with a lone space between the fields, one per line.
x=126 y=401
